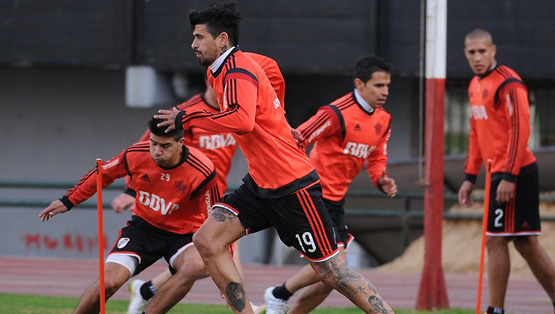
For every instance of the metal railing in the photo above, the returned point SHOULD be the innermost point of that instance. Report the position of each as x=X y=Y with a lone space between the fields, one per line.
x=405 y=195
x=27 y=202
x=404 y=214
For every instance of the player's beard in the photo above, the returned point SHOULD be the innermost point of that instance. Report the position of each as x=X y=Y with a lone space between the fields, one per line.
x=203 y=62
x=201 y=59
x=206 y=57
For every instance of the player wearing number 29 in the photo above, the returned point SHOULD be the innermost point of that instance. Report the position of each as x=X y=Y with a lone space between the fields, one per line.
x=349 y=132
x=499 y=131
x=175 y=186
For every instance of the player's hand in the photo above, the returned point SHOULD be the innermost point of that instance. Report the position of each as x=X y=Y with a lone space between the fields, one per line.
x=55 y=208
x=169 y=118
x=123 y=201
x=505 y=192
x=298 y=137
x=388 y=185
x=465 y=192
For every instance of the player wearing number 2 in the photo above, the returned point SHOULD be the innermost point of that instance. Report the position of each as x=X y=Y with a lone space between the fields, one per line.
x=499 y=131
x=349 y=132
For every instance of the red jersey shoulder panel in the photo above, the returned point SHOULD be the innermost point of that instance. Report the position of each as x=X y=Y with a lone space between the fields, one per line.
x=273 y=72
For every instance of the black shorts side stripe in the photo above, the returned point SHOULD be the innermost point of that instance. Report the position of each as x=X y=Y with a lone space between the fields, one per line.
x=315 y=222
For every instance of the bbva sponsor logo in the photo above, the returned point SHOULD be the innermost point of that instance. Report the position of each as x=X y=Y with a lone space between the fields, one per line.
x=157 y=203
x=358 y=150
x=216 y=141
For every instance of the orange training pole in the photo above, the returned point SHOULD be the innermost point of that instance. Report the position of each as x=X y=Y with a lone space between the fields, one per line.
x=484 y=230
x=100 y=235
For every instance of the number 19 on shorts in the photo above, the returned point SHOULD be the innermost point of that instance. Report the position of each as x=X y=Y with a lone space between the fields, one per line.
x=306 y=241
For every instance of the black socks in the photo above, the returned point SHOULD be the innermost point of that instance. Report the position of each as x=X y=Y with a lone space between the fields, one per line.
x=147 y=290
x=495 y=310
x=281 y=292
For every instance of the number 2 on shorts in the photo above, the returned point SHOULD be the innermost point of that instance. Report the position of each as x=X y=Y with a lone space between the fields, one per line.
x=498 y=216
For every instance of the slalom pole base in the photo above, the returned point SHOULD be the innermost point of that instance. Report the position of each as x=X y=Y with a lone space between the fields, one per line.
x=432 y=294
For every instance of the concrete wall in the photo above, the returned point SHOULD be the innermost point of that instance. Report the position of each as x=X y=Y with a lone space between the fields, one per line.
x=56 y=122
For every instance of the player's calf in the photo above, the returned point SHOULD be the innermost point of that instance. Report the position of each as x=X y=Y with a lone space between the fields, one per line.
x=351 y=284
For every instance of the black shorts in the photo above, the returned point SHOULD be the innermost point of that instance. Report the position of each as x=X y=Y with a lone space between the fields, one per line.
x=300 y=218
x=148 y=243
x=521 y=215
x=337 y=215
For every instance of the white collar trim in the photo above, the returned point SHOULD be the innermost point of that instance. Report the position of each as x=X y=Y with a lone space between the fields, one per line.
x=365 y=105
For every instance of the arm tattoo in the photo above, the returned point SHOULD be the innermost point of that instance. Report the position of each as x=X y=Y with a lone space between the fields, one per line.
x=222 y=215
x=236 y=296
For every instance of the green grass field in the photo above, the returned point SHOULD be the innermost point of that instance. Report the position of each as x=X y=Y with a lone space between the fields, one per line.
x=32 y=304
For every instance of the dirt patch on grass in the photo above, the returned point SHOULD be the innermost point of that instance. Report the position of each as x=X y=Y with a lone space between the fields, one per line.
x=461 y=242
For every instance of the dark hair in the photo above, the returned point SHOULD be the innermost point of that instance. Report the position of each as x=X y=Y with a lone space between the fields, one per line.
x=367 y=65
x=161 y=131
x=218 y=18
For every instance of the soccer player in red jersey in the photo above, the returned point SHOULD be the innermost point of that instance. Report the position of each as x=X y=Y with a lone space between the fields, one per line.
x=499 y=131
x=349 y=132
x=219 y=148
x=282 y=188
x=175 y=186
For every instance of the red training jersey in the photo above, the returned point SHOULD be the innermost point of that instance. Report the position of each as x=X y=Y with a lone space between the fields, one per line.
x=345 y=136
x=175 y=200
x=273 y=73
x=499 y=123
x=251 y=110
x=219 y=147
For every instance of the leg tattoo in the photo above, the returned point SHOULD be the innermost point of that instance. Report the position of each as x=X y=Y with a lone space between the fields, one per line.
x=351 y=283
x=222 y=215
x=236 y=296
x=377 y=305
x=343 y=276
x=372 y=288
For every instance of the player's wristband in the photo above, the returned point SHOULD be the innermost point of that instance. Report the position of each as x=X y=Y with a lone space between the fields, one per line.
x=66 y=202
x=508 y=177
x=470 y=177
x=130 y=192
x=179 y=120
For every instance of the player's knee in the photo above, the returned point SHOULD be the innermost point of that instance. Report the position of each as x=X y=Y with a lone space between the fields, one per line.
x=196 y=266
x=203 y=243
x=329 y=271
x=111 y=286
x=191 y=271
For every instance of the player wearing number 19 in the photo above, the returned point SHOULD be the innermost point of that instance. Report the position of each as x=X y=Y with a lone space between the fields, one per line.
x=175 y=186
x=282 y=188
